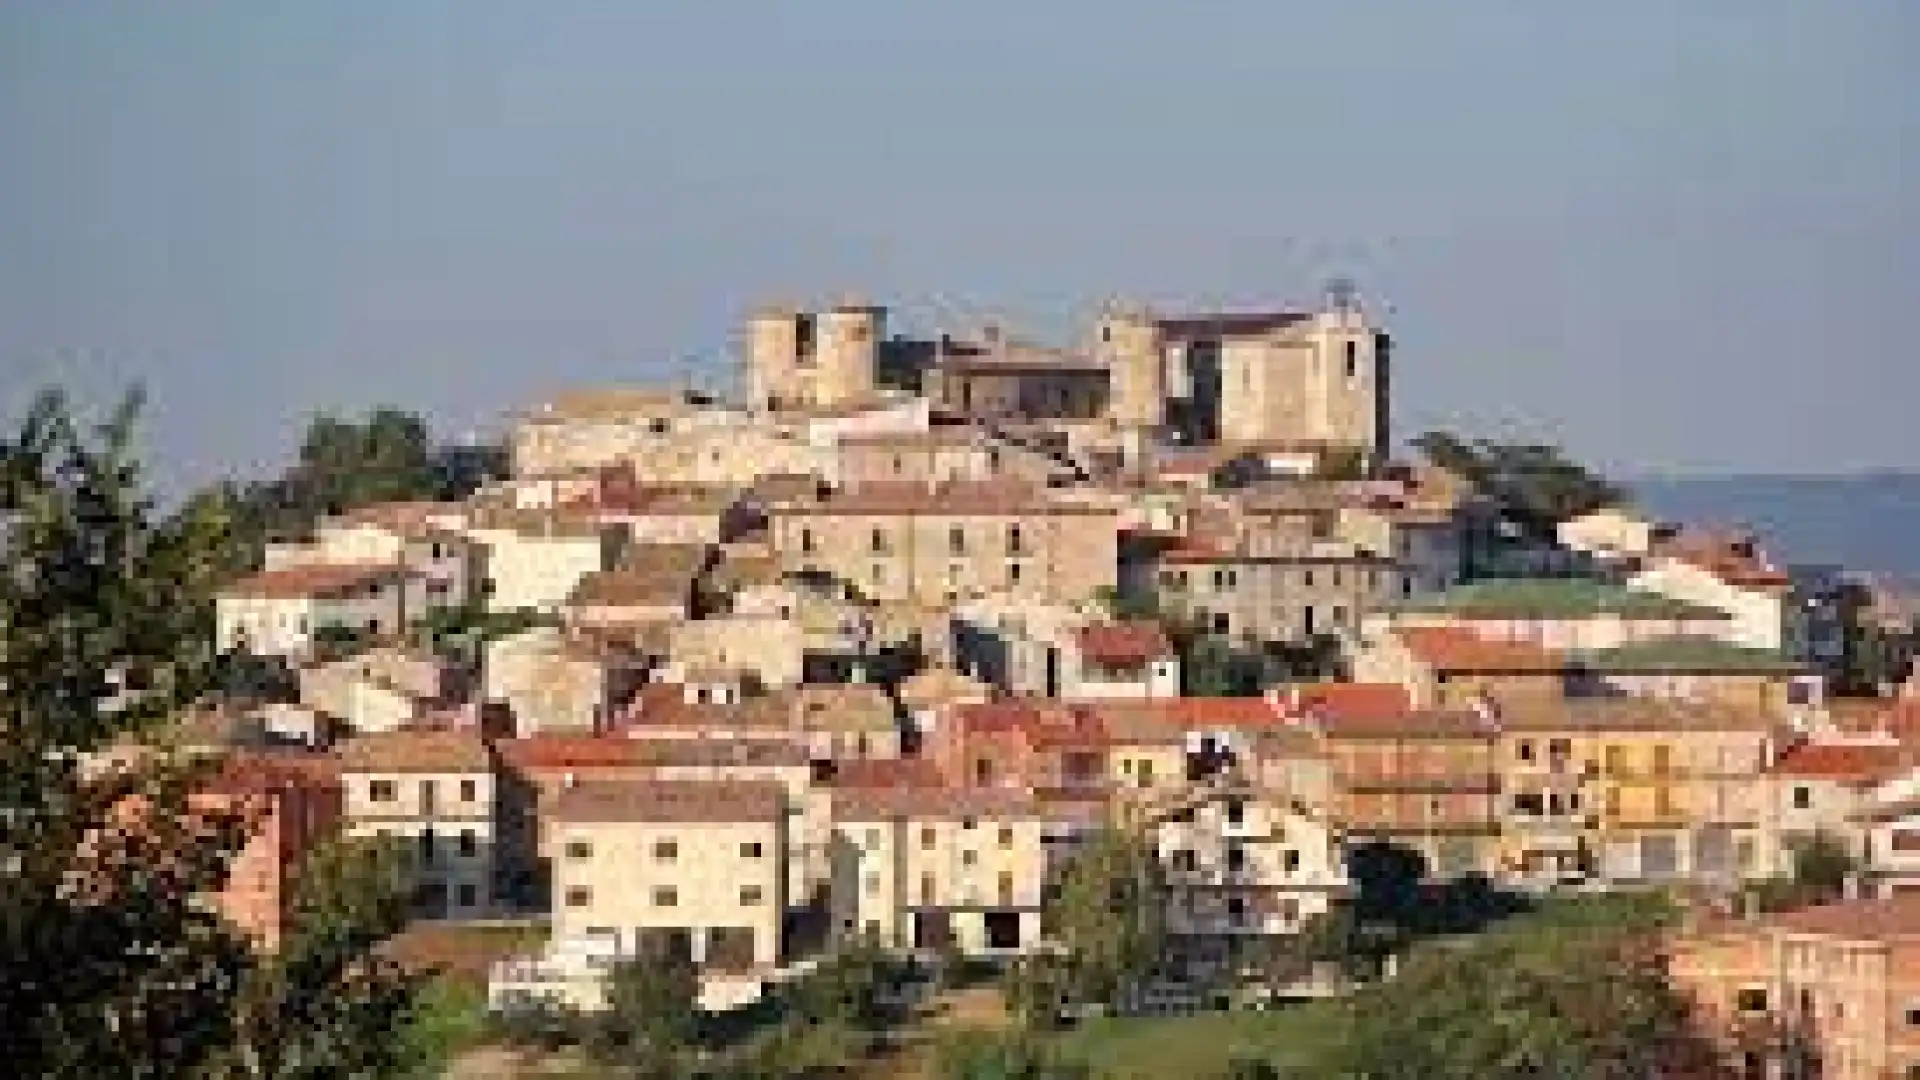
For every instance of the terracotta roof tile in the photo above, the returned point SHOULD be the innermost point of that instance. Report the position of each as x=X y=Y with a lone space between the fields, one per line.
x=415 y=751
x=670 y=800
x=1859 y=920
x=1450 y=648
x=1124 y=644
x=1348 y=699
x=1858 y=762
x=556 y=752
x=319 y=580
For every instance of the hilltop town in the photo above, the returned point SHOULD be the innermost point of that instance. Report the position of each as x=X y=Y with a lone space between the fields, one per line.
x=867 y=648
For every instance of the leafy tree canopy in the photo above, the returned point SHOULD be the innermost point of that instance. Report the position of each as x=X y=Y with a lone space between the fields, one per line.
x=1535 y=486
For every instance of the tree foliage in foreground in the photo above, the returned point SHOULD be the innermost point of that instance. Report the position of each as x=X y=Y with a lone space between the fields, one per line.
x=111 y=961
x=1536 y=487
x=1547 y=997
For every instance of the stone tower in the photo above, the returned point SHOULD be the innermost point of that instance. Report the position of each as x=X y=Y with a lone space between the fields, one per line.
x=802 y=359
x=1130 y=343
x=1316 y=378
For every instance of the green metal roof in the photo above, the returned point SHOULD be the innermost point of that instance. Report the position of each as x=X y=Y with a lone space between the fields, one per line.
x=1688 y=654
x=1553 y=598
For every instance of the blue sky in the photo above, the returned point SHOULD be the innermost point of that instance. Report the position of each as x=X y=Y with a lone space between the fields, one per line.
x=1676 y=235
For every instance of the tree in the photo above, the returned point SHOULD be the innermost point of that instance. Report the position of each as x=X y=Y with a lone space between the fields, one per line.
x=1821 y=865
x=1535 y=487
x=1581 y=999
x=652 y=1016
x=1109 y=915
x=326 y=1002
x=856 y=987
x=111 y=963
x=107 y=965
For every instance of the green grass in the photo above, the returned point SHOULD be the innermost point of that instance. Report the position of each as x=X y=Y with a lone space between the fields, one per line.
x=449 y=1019
x=1203 y=1044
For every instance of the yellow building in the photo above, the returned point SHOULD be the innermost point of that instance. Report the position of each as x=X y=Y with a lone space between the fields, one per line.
x=1632 y=789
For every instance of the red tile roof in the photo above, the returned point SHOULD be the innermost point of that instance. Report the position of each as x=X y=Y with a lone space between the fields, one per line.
x=296 y=582
x=1200 y=713
x=1124 y=644
x=886 y=773
x=542 y=753
x=1860 y=762
x=1365 y=700
x=1897 y=916
x=1452 y=648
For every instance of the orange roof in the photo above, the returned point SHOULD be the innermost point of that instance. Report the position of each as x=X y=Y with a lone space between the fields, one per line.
x=886 y=773
x=1862 y=762
x=1351 y=699
x=296 y=582
x=1452 y=648
x=1201 y=713
x=541 y=753
x=1037 y=722
x=1857 y=920
x=1124 y=644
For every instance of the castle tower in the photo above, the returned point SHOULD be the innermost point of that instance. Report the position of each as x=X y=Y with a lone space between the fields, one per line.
x=1350 y=388
x=779 y=347
x=847 y=368
x=1130 y=342
x=799 y=359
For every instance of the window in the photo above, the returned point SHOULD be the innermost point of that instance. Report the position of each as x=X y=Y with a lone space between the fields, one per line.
x=969 y=858
x=1015 y=545
x=1352 y=359
x=872 y=840
x=381 y=791
x=1525 y=750
x=579 y=897
x=877 y=541
x=750 y=850
x=1221 y=623
x=1913 y=1016
x=666 y=850
x=873 y=884
x=750 y=895
x=926 y=838
x=1802 y=798
x=957 y=540
x=806 y=541
x=969 y=823
x=468 y=896
x=926 y=889
x=469 y=844
x=1006 y=889
x=1006 y=836
x=426 y=847
x=666 y=896
x=1236 y=811
x=1013 y=573
x=579 y=849
x=1290 y=861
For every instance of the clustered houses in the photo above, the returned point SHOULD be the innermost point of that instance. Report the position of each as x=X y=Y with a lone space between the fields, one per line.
x=866 y=652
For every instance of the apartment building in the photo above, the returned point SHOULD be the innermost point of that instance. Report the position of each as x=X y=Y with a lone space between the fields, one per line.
x=1633 y=789
x=434 y=791
x=1257 y=590
x=1243 y=865
x=1425 y=780
x=1830 y=991
x=1890 y=820
x=933 y=868
x=689 y=868
x=937 y=545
